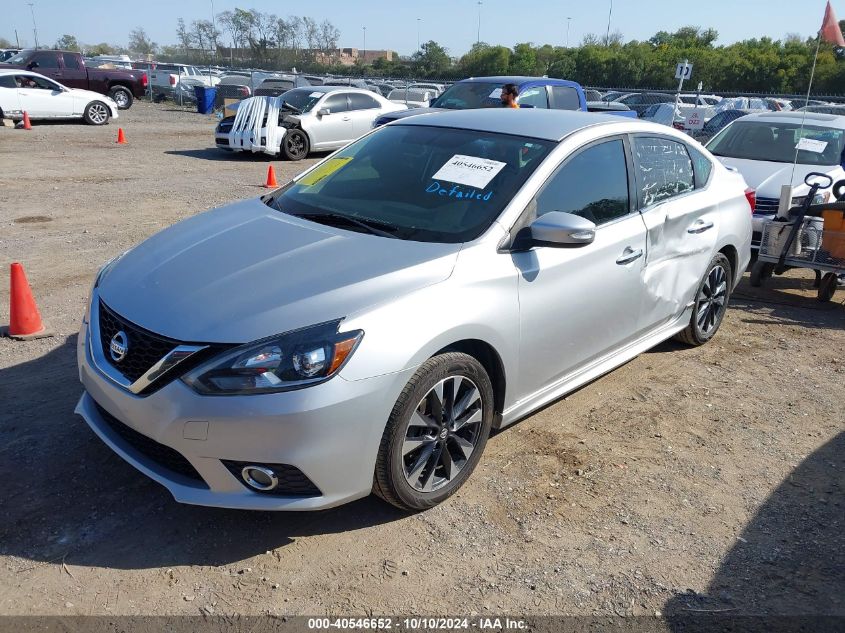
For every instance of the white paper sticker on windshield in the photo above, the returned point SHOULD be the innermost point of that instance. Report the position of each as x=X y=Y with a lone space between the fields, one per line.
x=469 y=170
x=316 y=94
x=811 y=145
x=496 y=94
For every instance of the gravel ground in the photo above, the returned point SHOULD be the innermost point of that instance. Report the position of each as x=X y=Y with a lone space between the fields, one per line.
x=704 y=480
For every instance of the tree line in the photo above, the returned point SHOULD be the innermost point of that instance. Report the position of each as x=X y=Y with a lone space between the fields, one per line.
x=264 y=40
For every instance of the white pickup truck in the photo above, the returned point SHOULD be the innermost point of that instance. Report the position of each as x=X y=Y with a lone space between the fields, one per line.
x=173 y=79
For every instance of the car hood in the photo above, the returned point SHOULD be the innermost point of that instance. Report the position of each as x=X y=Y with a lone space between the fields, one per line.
x=766 y=178
x=245 y=271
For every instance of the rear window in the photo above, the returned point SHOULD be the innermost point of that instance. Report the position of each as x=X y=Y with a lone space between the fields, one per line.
x=470 y=95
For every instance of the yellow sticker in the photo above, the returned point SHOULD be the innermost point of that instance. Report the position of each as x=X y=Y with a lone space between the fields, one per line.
x=323 y=171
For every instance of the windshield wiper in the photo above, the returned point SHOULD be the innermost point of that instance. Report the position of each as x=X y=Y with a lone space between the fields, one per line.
x=375 y=227
x=287 y=105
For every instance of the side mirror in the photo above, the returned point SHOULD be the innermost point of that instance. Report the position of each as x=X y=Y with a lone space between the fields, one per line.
x=323 y=112
x=32 y=65
x=562 y=229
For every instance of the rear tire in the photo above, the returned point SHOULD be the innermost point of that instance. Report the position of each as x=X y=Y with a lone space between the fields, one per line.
x=96 y=113
x=122 y=96
x=295 y=145
x=436 y=432
x=711 y=303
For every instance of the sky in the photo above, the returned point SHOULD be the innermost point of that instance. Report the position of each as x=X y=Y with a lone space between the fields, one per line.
x=452 y=23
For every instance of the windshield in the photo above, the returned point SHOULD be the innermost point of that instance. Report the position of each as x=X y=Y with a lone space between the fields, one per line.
x=468 y=95
x=20 y=58
x=425 y=184
x=301 y=99
x=776 y=142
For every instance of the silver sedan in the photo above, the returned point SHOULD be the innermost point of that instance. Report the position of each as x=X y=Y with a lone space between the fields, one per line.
x=363 y=328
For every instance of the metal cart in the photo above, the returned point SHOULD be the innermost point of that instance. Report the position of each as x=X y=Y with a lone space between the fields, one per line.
x=813 y=236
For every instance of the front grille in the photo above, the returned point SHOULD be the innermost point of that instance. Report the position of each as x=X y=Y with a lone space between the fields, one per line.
x=164 y=456
x=145 y=348
x=767 y=205
x=292 y=481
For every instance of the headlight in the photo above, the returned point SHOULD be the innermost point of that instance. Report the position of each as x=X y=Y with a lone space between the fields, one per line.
x=281 y=363
x=819 y=198
x=105 y=269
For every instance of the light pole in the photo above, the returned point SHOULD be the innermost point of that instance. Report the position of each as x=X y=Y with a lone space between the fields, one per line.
x=609 y=15
x=418 y=34
x=364 y=62
x=568 y=21
x=478 y=39
x=34 y=26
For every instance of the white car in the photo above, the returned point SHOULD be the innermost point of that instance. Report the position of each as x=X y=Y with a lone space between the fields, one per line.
x=762 y=148
x=412 y=97
x=42 y=98
x=314 y=118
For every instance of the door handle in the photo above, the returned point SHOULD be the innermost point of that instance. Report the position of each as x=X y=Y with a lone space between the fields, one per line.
x=699 y=227
x=346 y=118
x=629 y=255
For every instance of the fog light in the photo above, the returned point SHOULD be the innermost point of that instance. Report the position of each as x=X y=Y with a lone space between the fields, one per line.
x=259 y=477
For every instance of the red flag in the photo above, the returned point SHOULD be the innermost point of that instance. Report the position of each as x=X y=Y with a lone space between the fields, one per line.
x=830 y=28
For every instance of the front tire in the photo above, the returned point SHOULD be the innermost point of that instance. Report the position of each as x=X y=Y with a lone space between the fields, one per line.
x=96 y=113
x=122 y=96
x=436 y=432
x=711 y=303
x=295 y=145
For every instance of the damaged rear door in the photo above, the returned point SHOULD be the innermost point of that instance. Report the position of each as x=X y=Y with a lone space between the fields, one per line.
x=681 y=217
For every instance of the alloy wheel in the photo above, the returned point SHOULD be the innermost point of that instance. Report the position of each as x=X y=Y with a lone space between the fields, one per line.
x=442 y=433
x=98 y=113
x=712 y=300
x=296 y=145
x=120 y=99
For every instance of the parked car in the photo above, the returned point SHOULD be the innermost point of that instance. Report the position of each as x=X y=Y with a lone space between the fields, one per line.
x=442 y=276
x=609 y=107
x=830 y=108
x=275 y=86
x=613 y=95
x=316 y=119
x=592 y=95
x=719 y=121
x=42 y=98
x=232 y=87
x=436 y=88
x=699 y=99
x=669 y=114
x=641 y=101
x=68 y=68
x=6 y=53
x=762 y=147
x=411 y=97
x=485 y=92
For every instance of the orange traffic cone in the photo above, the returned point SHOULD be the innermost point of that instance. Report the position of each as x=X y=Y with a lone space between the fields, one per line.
x=271 y=178
x=24 y=318
x=121 y=137
x=26 y=124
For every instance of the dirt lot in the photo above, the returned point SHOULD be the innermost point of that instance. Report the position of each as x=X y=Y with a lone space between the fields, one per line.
x=689 y=480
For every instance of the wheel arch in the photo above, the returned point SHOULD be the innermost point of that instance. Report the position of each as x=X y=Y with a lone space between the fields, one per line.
x=490 y=359
x=730 y=251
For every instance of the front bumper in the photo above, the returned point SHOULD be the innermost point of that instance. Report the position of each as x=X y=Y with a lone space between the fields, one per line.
x=330 y=432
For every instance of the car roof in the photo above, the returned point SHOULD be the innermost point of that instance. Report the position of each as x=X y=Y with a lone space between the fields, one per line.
x=333 y=89
x=519 y=80
x=549 y=125
x=827 y=120
x=18 y=71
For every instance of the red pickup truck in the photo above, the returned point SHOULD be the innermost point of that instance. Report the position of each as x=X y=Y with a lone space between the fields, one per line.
x=69 y=69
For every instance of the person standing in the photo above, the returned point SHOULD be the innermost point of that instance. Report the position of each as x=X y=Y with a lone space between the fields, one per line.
x=509 y=95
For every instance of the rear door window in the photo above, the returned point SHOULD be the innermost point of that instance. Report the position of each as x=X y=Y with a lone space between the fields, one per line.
x=664 y=169
x=565 y=98
x=71 y=61
x=359 y=101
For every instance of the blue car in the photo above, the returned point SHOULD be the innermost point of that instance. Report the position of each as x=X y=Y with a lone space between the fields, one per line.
x=484 y=92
